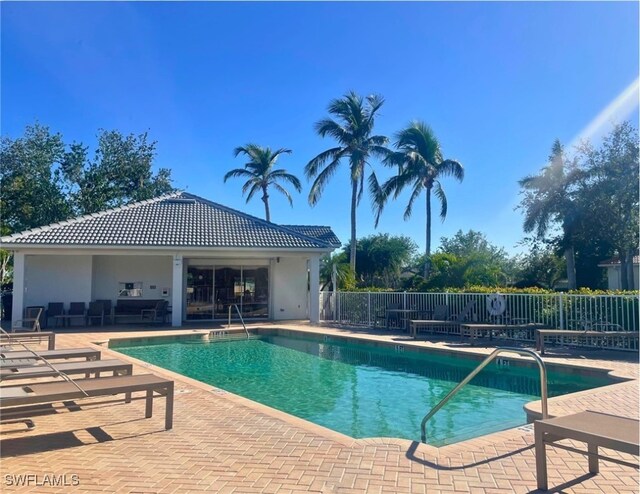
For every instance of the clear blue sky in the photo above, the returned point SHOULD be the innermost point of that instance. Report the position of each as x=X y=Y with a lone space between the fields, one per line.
x=498 y=82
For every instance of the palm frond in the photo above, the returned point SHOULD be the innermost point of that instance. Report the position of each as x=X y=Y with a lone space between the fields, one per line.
x=248 y=184
x=328 y=127
x=360 y=187
x=333 y=154
x=379 y=198
x=238 y=172
x=439 y=193
x=256 y=187
x=287 y=177
x=417 y=189
x=321 y=181
x=284 y=192
x=452 y=168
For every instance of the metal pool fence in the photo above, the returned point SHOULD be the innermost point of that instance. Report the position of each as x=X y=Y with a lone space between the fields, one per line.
x=556 y=310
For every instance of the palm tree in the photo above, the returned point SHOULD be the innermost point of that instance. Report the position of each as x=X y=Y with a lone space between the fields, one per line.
x=420 y=167
x=548 y=199
x=261 y=175
x=352 y=129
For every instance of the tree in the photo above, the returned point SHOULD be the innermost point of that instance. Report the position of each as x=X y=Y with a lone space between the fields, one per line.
x=31 y=180
x=549 y=199
x=260 y=174
x=420 y=167
x=381 y=259
x=352 y=129
x=540 y=267
x=610 y=195
x=119 y=174
x=345 y=278
x=470 y=259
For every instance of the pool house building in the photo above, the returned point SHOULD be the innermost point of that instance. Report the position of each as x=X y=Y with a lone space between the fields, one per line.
x=198 y=256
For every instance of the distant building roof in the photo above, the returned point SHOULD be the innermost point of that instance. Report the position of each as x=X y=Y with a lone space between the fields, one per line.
x=174 y=220
x=615 y=261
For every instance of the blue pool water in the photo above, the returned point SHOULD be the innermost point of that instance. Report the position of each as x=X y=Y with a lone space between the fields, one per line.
x=363 y=390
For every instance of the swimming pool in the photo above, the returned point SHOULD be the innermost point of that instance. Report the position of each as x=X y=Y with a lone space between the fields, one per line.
x=359 y=389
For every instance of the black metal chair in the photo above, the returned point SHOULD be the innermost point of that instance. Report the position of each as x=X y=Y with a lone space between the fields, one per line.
x=96 y=311
x=55 y=310
x=106 y=305
x=77 y=310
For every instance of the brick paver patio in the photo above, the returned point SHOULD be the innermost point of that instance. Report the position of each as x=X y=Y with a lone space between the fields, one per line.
x=224 y=443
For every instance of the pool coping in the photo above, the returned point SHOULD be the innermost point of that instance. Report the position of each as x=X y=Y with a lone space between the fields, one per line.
x=532 y=409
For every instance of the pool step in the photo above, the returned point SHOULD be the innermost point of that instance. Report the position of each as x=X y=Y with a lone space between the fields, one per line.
x=227 y=334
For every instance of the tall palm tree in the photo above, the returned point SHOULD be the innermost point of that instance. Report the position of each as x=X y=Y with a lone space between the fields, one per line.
x=420 y=167
x=548 y=199
x=352 y=129
x=260 y=174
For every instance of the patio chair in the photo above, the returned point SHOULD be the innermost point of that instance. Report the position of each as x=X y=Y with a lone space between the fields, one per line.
x=77 y=310
x=450 y=325
x=383 y=316
x=54 y=392
x=30 y=321
x=55 y=311
x=106 y=305
x=158 y=313
x=96 y=311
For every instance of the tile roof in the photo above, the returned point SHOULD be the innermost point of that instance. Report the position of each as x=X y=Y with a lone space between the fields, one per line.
x=323 y=233
x=175 y=220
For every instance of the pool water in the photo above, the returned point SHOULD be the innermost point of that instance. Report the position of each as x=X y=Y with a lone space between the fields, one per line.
x=363 y=390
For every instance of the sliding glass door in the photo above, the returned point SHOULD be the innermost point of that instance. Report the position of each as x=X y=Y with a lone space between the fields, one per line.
x=199 y=292
x=255 y=292
x=212 y=290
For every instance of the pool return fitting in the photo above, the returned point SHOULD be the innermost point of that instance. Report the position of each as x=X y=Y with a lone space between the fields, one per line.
x=483 y=364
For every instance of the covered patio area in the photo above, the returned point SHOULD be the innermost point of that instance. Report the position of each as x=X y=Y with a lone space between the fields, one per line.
x=198 y=259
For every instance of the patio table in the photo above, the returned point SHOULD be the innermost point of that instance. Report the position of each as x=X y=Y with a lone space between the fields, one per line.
x=408 y=315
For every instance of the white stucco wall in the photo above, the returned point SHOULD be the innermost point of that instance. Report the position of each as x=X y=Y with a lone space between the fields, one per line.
x=290 y=288
x=152 y=271
x=614 y=277
x=57 y=279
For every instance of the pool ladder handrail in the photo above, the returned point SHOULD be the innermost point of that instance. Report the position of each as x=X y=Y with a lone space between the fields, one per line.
x=476 y=371
x=241 y=319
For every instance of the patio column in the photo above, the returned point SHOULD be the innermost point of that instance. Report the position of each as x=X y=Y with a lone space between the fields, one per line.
x=17 y=306
x=176 y=292
x=314 y=289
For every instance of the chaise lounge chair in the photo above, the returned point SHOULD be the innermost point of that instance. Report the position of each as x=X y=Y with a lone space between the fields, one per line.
x=118 y=367
x=53 y=392
x=27 y=358
x=449 y=326
x=21 y=338
x=594 y=428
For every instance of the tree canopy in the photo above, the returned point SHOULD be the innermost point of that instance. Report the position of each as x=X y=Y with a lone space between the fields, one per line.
x=44 y=180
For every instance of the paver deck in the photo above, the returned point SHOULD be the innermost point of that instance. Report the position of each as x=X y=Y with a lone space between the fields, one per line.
x=225 y=443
